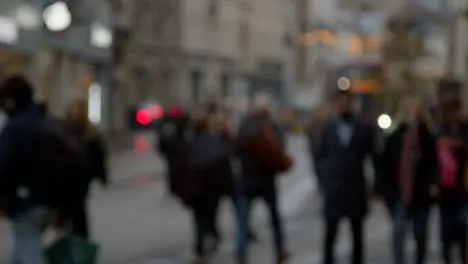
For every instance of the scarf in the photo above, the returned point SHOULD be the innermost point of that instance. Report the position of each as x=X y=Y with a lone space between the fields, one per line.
x=408 y=163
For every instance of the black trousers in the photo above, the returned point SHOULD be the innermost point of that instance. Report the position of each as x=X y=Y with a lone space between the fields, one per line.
x=204 y=219
x=454 y=232
x=331 y=232
x=79 y=220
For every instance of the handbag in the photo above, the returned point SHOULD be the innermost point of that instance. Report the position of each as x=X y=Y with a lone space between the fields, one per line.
x=267 y=149
x=73 y=250
x=448 y=164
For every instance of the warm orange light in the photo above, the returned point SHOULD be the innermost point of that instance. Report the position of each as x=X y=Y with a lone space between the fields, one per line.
x=374 y=43
x=365 y=86
x=88 y=80
x=309 y=38
x=356 y=46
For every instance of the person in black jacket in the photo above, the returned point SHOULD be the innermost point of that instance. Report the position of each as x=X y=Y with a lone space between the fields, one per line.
x=172 y=133
x=407 y=177
x=20 y=183
x=454 y=199
x=207 y=179
x=94 y=147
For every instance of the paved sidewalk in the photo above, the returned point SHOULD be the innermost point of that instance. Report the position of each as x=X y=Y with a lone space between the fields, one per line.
x=305 y=236
x=136 y=221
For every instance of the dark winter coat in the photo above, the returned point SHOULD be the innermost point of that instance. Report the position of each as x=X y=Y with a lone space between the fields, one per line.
x=17 y=169
x=206 y=172
x=340 y=168
x=256 y=178
x=426 y=171
x=172 y=134
x=94 y=148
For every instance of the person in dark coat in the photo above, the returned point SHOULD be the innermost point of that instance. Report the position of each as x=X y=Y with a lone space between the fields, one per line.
x=454 y=199
x=208 y=178
x=315 y=126
x=172 y=133
x=21 y=197
x=408 y=177
x=258 y=181
x=221 y=126
x=88 y=135
x=345 y=143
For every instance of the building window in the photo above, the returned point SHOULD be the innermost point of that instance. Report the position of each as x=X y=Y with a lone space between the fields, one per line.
x=213 y=8
x=244 y=37
x=225 y=84
x=196 y=78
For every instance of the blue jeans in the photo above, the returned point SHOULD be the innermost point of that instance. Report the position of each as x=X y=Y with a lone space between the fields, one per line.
x=244 y=203
x=27 y=232
x=420 y=220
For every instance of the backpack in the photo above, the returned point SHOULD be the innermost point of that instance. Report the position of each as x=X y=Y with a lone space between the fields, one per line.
x=206 y=150
x=61 y=164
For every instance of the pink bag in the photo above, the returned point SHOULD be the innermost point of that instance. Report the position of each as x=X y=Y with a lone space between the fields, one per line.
x=448 y=164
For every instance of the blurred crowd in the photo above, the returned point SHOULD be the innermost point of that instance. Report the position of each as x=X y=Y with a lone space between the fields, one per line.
x=47 y=165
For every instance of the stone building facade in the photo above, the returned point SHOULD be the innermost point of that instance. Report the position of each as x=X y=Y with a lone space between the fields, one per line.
x=190 y=51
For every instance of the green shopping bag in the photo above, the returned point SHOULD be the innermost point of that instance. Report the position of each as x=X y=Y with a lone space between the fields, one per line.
x=73 y=250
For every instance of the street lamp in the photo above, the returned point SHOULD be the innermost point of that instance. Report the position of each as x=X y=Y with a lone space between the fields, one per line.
x=57 y=16
x=101 y=36
x=384 y=121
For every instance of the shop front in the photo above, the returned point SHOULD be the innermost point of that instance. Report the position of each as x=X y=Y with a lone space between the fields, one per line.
x=268 y=81
x=20 y=29
x=79 y=62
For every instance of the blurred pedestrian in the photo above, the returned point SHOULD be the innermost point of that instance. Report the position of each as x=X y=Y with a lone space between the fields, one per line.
x=454 y=194
x=407 y=178
x=41 y=169
x=345 y=143
x=221 y=125
x=173 y=131
x=93 y=144
x=315 y=126
x=258 y=177
x=208 y=178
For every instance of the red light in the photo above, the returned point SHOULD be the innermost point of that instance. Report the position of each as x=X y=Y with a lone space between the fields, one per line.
x=143 y=117
x=156 y=111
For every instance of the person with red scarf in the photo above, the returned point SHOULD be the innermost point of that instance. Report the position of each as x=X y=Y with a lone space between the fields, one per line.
x=407 y=177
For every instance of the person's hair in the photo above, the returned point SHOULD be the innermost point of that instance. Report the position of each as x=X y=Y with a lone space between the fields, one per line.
x=342 y=94
x=201 y=124
x=322 y=113
x=82 y=106
x=212 y=107
x=17 y=89
x=424 y=114
x=451 y=106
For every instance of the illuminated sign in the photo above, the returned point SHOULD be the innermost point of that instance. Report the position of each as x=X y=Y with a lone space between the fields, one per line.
x=365 y=86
